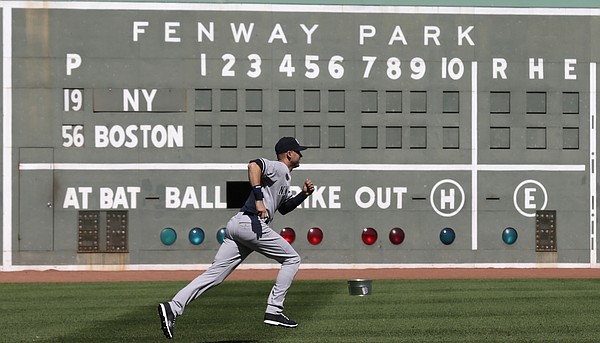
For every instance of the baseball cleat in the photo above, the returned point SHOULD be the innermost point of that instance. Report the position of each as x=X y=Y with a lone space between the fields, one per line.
x=279 y=320
x=167 y=319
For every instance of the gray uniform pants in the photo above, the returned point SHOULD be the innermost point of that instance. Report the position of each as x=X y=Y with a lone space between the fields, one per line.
x=244 y=235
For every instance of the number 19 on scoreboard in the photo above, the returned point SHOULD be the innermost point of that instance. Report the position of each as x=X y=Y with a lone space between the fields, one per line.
x=73 y=99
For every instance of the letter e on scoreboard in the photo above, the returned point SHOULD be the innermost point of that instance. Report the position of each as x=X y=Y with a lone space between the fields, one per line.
x=529 y=197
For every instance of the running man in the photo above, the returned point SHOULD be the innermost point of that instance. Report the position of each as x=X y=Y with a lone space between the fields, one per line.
x=249 y=231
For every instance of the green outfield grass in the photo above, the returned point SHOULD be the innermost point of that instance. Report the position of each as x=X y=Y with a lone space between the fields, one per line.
x=525 y=310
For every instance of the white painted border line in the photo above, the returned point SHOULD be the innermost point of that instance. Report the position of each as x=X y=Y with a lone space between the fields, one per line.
x=593 y=170
x=7 y=208
x=270 y=266
x=531 y=167
x=474 y=156
x=318 y=167
x=310 y=8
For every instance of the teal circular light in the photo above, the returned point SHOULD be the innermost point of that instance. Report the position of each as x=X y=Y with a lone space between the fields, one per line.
x=509 y=235
x=447 y=236
x=196 y=236
x=221 y=235
x=168 y=236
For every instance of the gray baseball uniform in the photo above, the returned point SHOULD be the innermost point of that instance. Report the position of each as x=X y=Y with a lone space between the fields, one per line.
x=246 y=232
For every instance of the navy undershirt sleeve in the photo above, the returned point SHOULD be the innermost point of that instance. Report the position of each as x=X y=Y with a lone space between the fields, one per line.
x=292 y=203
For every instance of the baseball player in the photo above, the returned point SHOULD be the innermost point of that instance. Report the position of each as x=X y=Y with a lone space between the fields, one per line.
x=249 y=231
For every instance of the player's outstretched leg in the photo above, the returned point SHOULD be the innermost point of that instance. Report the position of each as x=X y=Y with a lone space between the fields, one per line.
x=167 y=319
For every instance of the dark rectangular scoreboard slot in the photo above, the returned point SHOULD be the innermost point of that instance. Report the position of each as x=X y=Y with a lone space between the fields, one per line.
x=103 y=232
x=545 y=231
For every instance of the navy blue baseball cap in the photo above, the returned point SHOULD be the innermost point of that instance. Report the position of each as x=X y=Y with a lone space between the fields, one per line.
x=286 y=144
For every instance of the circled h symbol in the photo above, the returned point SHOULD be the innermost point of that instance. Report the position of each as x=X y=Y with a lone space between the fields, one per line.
x=462 y=200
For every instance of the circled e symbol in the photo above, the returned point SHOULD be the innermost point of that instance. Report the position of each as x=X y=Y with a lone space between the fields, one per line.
x=530 y=188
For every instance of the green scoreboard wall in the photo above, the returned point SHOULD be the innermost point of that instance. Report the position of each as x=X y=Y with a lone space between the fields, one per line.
x=438 y=136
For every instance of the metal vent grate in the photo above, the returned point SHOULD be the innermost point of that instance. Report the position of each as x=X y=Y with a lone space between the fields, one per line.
x=103 y=232
x=116 y=231
x=88 y=231
x=545 y=231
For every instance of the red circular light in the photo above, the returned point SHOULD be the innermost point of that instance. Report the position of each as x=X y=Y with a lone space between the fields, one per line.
x=396 y=236
x=315 y=236
x=369 y=236
x=288 y=234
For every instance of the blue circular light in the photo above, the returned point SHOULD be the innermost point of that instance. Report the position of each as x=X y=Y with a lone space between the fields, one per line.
x=168 y=236
x=196 y=236
x=447 y=236
x=221 y=235
x=509 y=235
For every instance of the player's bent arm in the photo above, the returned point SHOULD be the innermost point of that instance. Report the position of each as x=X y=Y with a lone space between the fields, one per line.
x=292 y=203
x=255 y=170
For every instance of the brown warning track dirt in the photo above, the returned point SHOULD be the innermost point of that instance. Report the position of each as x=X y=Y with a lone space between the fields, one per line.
x=303 y=274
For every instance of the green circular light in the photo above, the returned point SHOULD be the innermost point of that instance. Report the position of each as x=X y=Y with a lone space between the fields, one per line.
x=168 y=236
x=196 y=236
x=221 y=235
x=447 y=236
x=509 y=235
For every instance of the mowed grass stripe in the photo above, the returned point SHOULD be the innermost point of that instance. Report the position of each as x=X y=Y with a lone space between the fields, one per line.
x=505 y=310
